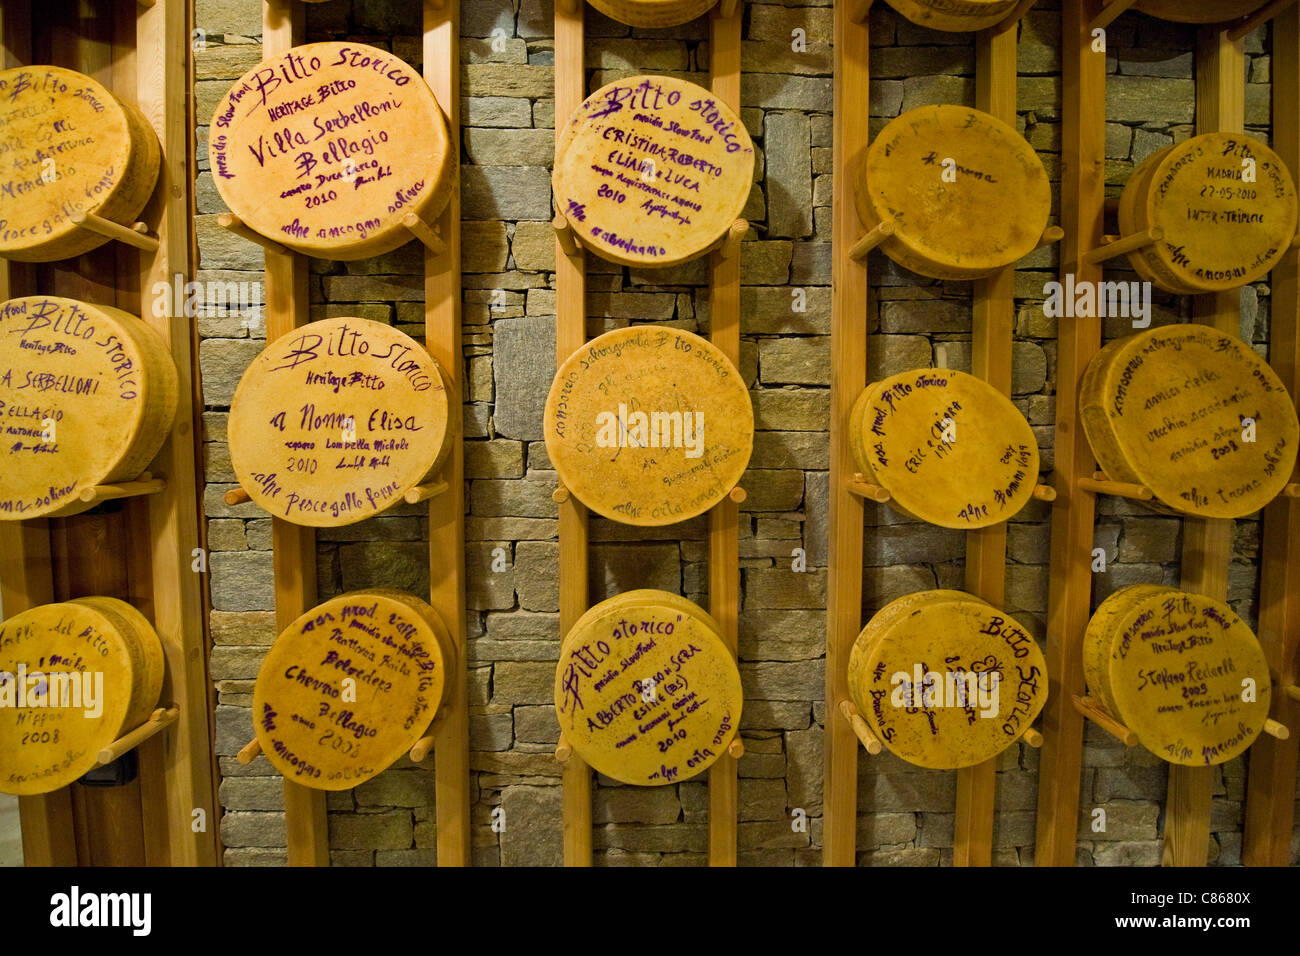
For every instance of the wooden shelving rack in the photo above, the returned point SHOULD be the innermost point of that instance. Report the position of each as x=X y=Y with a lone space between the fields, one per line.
x=143 y=548
x=287 y=308
x=1207 y=544
x=993 y=321
x=571 y=335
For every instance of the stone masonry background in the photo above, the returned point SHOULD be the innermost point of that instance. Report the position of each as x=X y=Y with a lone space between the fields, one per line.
x=905 y=813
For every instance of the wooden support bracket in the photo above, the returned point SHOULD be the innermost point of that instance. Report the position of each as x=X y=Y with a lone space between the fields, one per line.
x=1254 y=21
x=1277 y=729
x=426 y=234
x=236 y=496
x=1113 y=246
x=1044 y=493
x=858 y=251
x=135 y=235
x=1109 y=12
x=145 y=485
x=160 y=719
x=731 y=241
x=1051 y=235
x=1033 y=738
x=1013 y=18
x=736 y=748
x=421 y=749
x=728 y=8
x=860 y=729
x=738 y=495
x=1091 y=708
x=560 y=495
x=564 y=233
x=1292 y=490
x=563 y=751
x=424 y=492
x=233 y=223
x=859 y=486
x=249 y=752
x=1100 y=484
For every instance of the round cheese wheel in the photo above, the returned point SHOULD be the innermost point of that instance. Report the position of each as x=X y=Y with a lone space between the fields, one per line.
x=74 y=677
x=955 y=16
x=1193 y=414
x=652 y=171
x=1226 y=204
x=1100 y=631
x=923 y=678
x=87 y=397
x=649 y=425
x=326 y=147
x=950 y=449
x=1201 y=11
x=966 y=194
x=350 y=686
x=1176 y=667
x=337 y=420
x=653 y=13
x=647 y=691
x=67 y=145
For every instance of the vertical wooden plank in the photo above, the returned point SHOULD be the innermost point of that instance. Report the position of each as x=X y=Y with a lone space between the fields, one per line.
x=294 y=546
x=848 y=379
x=442 y=297
x=162 y=93
x=986 y=549
x=570 y=334
x=724 y=544
x=1207 y=544
x=1083 y=163
x=1271 y=785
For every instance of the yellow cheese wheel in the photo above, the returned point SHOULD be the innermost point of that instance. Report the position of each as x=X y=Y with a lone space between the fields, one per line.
x=1198 y=11
x=923 y=679
x=326 y=147
x=337 y=420
x=966 y=194
x=87 y=397
x=350 y=686
x=1171 y=408
x=950 y=449
x=652 y=171
x=67 y=145
x=647 y=691
x=74 y=677
x=954 y=15
x=649 y=425
x=653 y=13
x=1176 y=667
x=1100 y=631
x=1226 y=204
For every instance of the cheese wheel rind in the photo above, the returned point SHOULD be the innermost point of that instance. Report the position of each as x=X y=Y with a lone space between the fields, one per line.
x=653 y=13
x=334 y=422
x=72 y=146
x=647 y=691
x=393 y=647
x=1198 y=11
x=955 y=16
x=325 y=149
x=88 y=394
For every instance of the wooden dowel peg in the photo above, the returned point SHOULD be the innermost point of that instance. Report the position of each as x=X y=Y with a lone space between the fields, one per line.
x=1257 y=19
x=563 y=751
x=1050 y=237
x=136 y=235
x=1091 y=709
x=424 y=492
x=1044 y=492
x=233 y=223
x=1099 y=484
x=1293 y=691
x=1275 y=728
x=859 y=9
x=1108 y=14
x=159 y=719
x=248 y=753
x=858 y=485
x=236 y=496
x=421 y=748
x=736 y=748
x=560 y=495
x=860 y=728
x=870 y=240
x=422 y=231
x=1032 y=737
x=728 y=8
x=1292 y=490
x=127 y=489
x=738 y=495
x=564 y=233
x=1118 y=246
x=732 y=240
